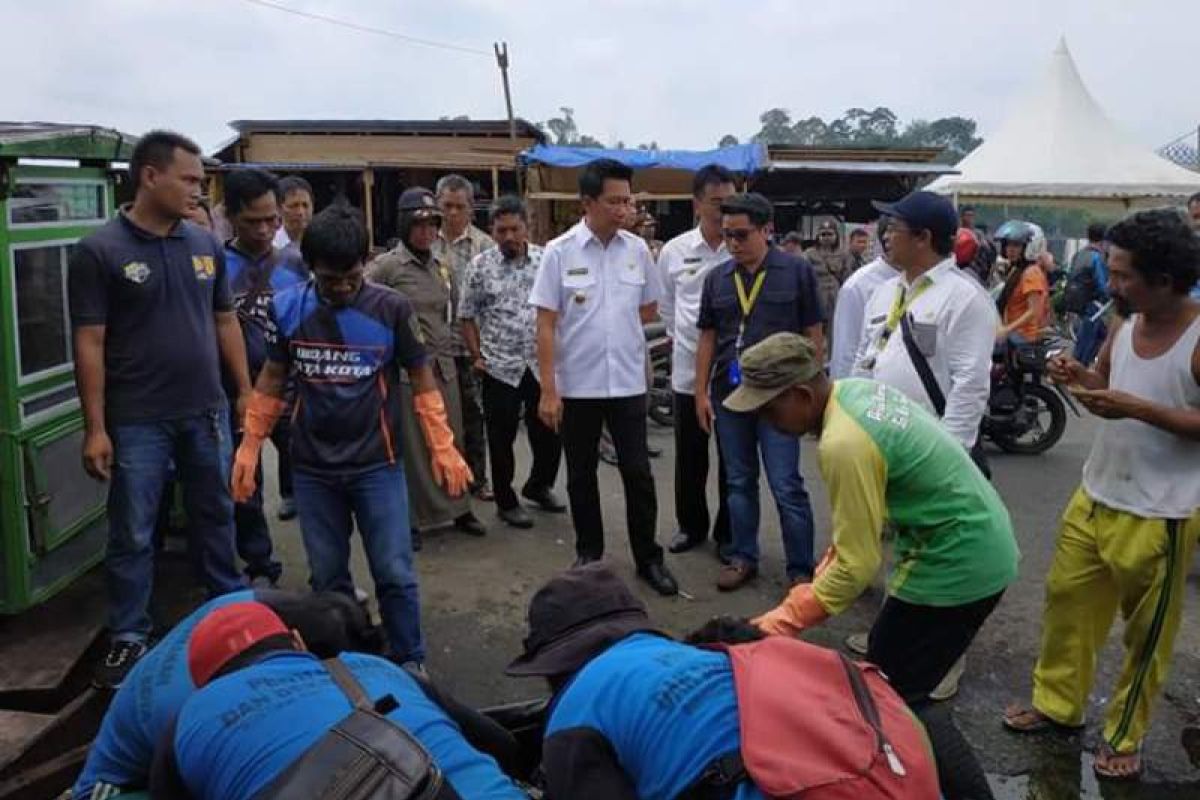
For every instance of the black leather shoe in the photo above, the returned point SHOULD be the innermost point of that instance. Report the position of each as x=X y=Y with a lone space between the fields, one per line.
x=659 y=578
x=583 y=561
x=516 y=516
x=417 y=540
x=682 y=542
x=545 y=499
x=469 y=523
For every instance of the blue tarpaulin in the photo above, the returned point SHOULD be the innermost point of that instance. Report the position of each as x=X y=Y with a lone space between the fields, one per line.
x=744 y=158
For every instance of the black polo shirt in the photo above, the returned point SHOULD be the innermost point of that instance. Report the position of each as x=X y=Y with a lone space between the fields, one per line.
x=788 y=301
x=156 y=296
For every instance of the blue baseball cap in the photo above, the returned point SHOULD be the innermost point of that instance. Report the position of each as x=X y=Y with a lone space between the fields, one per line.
x=923 y=211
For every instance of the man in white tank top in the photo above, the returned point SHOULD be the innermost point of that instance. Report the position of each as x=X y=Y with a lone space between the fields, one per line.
x=1128 y=533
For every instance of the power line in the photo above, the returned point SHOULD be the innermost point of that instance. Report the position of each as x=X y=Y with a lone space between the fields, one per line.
x=354 y=26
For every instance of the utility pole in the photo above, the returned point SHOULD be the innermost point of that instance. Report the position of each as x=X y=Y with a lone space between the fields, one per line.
x=501 y=49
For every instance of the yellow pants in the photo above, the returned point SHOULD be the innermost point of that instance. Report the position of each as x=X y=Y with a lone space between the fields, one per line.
x=1105 y=560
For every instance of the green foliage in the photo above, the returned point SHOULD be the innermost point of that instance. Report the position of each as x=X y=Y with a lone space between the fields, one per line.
x=859 y=127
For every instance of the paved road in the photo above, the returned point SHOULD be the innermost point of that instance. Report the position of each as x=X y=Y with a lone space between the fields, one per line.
x=475 y=593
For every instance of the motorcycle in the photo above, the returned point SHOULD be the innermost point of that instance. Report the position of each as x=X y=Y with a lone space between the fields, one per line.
x=661 y=406
x=1025 y=415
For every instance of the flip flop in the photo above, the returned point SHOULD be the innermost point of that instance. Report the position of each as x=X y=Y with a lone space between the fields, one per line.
x=1106 y=751
x=1039 y=724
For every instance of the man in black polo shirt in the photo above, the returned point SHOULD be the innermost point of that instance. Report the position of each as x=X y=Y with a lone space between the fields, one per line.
x=153 y=323
x=760 y=291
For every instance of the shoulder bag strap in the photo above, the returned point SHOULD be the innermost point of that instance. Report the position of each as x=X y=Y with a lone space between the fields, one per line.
x=924 y=371
x=349 y=685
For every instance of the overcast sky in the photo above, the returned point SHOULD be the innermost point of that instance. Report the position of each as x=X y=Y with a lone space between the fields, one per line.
x=679 y=72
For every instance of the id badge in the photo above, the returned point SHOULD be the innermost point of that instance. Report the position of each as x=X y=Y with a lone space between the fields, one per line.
x=735 y=373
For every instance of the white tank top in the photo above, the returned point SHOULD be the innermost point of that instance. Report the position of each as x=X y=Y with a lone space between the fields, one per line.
x=1136 y=467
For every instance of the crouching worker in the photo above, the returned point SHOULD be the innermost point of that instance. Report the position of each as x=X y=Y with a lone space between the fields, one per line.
x=637 y=715
x=271 y=721
x=158 y=686
x=345 y=341
x=884 y=458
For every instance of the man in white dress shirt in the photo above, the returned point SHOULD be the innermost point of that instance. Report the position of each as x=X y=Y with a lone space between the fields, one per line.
x=683 y=263
x=596 y=287
x=852 y=302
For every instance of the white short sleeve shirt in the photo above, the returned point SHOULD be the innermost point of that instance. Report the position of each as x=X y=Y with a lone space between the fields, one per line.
x=597 y=291
x=683 y=264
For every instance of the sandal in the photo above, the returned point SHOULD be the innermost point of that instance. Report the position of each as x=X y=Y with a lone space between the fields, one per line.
x=1109 y=773
x=1020 y=719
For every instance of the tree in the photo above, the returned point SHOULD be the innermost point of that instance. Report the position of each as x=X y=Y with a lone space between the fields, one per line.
x=566 y=132
x=879 y=127
x=776 y=127
x=728 y=140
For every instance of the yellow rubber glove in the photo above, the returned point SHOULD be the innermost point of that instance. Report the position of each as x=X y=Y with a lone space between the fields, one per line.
x=800 y=609
x=450 y=471
x=262 y=412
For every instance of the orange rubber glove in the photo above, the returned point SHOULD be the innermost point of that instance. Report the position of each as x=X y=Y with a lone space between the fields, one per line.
x=799 y=610
x=450 y=471
x=262 y=412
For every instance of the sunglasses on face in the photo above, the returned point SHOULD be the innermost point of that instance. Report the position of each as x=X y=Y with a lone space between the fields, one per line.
x=737 y=234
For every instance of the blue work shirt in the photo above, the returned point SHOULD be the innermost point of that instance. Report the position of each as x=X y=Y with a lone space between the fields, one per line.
x=788 y=301
x=253 y=282
x=156 y=297
x=346 y=365
x=663 y=710
x=150 y=697
x=236 y=735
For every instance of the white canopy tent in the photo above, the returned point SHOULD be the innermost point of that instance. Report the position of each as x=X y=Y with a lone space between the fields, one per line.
x=1058 y=147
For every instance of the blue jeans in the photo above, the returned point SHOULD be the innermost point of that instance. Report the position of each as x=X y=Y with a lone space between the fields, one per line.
x=742 y=438
x=378 y=501
x=1090 y=336
x=142 y=453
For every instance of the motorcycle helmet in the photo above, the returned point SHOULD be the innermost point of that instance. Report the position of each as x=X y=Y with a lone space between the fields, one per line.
x=416 y=204
x=966 y=246
x=1028 y=234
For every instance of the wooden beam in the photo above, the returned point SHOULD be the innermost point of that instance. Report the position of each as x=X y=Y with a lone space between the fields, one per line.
x=495 y=183
x=368 y=176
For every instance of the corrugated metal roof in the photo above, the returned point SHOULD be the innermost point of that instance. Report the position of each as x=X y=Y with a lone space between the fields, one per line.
x=63 y=140
x=864 y=167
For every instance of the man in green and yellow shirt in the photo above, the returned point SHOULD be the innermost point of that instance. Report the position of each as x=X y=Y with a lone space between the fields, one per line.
x=885 y=459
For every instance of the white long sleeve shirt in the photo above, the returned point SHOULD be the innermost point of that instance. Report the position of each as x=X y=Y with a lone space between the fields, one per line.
x=682 y=264
x=954 y=324
x=848 y=313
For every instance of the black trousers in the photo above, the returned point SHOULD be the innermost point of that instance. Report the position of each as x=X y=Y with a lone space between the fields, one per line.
x=626 y=420
x=281 y=437
x=503 y=408
x=691 y=476
x=474 y=445
x=917 y=645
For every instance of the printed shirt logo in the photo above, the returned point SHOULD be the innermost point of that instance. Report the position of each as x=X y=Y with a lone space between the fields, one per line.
x=205 y=267
x=319 y=362
x=136 y=271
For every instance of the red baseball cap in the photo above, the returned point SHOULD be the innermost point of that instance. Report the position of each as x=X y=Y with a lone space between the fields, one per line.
x=227 y=632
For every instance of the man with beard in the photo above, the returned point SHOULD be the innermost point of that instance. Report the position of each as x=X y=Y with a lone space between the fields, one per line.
x=346 y=341
x=413 y=269
x=1128 y=533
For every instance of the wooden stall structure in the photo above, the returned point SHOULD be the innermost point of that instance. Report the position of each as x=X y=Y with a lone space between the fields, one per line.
x=368 y=163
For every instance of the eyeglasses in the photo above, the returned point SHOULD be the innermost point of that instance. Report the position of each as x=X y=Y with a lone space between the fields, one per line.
x=737 y=234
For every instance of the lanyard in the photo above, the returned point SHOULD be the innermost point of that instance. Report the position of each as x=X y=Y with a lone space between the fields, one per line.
x=747 y=302
x=902 y=303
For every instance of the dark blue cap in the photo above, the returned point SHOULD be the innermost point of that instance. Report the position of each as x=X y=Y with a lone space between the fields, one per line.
x=923 y=211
